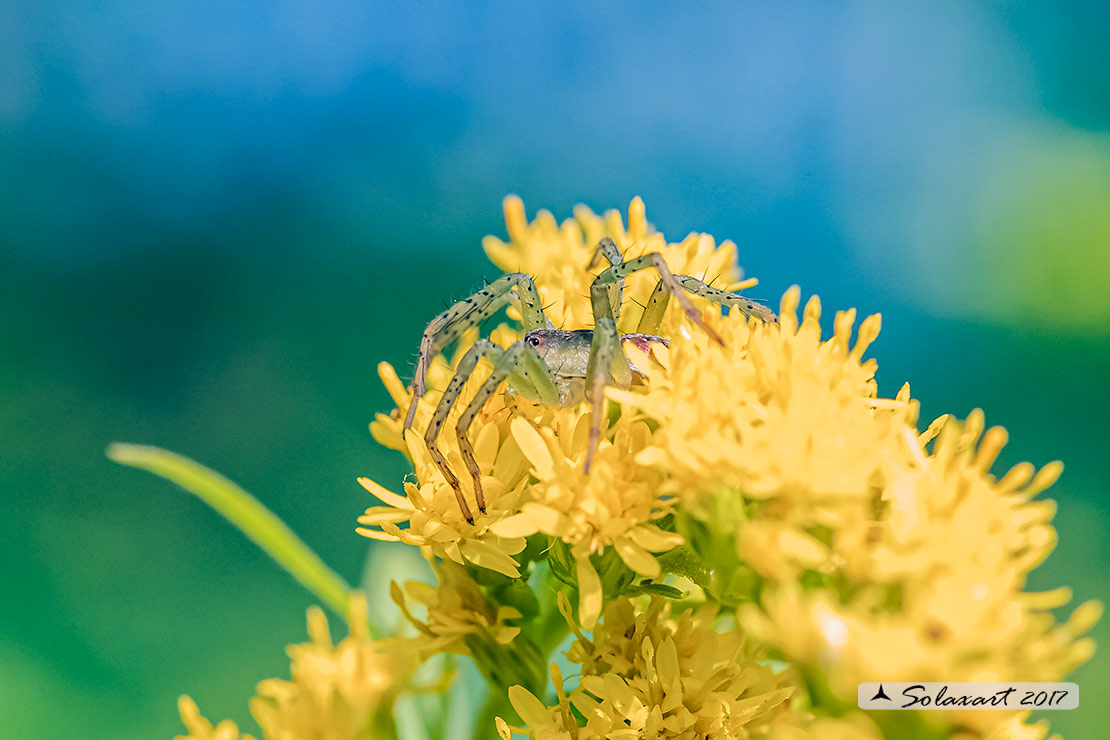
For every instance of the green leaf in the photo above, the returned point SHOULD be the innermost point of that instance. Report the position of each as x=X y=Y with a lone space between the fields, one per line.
x=658 y=589
x=258 y=523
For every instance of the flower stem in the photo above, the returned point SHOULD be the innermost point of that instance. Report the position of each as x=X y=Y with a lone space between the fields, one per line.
x=244 y=511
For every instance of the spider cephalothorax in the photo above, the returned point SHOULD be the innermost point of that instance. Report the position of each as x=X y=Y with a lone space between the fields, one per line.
x=553 y=366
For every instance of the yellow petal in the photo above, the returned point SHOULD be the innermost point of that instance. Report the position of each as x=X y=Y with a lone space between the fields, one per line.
x=652 y=538
x=666 y=661
x=389 y=497
x=376 y=535
x=637 y=558
x=534 y=447
x=545 y=518
x=589 y=594
x=530 y=709
x=805 y=549
x=517 y=525
x=377 y=514
x=394 y=386
x=487 y=556
x=485 y=446
x=499 y=253
x=1084 y=617
x=1047 y=599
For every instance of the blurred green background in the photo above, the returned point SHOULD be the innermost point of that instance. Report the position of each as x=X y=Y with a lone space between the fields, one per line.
x=215 y=220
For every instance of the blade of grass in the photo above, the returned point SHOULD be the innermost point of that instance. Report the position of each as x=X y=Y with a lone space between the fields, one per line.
x=244 y=511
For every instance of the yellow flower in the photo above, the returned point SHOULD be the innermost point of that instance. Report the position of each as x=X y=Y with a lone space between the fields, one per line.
x=201 y=729
x=435 y=523
x=648 y=674
x=873 y=551
x=531 y=457
x=773 y=412
x=456 y=608
x=336 y=692
x=611 y=506
x=924 y=553
x=557 y=256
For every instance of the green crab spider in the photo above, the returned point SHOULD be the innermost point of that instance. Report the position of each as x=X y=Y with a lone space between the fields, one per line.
x=555 y=367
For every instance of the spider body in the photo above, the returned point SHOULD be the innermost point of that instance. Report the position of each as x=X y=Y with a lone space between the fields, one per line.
x=553 y=366
x=567 y=354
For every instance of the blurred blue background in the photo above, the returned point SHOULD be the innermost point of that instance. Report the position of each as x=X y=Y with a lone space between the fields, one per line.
x=215 y=219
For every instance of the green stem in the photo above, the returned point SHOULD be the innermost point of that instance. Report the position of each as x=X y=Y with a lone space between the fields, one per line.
x=244 y=511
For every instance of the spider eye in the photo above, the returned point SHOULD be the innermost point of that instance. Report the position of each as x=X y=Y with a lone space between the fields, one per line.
x=534 y=341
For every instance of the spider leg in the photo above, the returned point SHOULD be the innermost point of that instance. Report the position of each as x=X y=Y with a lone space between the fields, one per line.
x=482 y=348
x=608 y=249
x=741 y=303
x=469 y=312
x=654 y=310
x=657 y=304
x=503 y=367
x=607 y=366
x=599 y=289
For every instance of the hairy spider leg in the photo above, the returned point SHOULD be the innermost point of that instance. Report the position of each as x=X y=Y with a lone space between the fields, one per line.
x=599 y=295
x=482 y=348
x=607 y=366
x=469 y=312
x=607 y=360
x=656 y=306
x=608 y=249
x=530 y=376
x=522 y=362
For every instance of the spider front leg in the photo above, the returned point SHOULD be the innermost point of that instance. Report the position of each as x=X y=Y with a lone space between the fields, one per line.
x=529 y=374
x=656 y=306
x=608 y=249
x=607 y=366
x=470 y=312
x=599 y=290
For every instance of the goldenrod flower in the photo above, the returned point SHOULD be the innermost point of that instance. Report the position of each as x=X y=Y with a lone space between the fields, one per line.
x=773 y=412
x=201 y=729
x=532 y=457
x=456 y=609
x=817 y=538
x=556 y=255
x=849 y=542
x=648 y=674
x=336 y=692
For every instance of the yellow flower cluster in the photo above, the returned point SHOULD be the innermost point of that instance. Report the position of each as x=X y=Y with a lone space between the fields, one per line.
x=455 y=608
x=646 y=674
x=557 y=255
x=922 y=554
x=531 y=457
x=881 y=552
x=336 y=692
